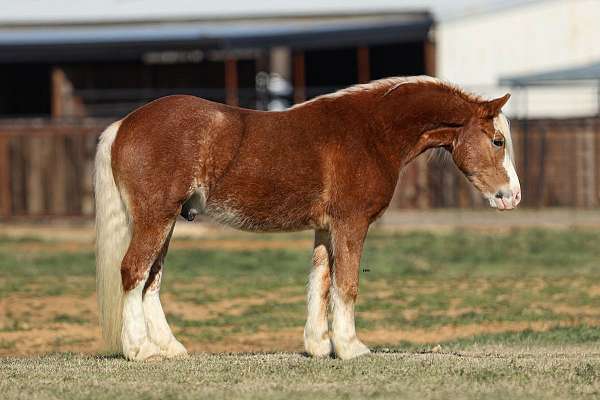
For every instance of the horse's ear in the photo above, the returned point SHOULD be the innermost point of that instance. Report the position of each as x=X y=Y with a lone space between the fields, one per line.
x=490 y=109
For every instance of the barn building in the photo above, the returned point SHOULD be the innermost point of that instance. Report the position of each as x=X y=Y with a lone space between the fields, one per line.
x=105 y=70
x=62 y=81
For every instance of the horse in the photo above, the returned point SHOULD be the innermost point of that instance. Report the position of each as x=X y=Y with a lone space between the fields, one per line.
x=329 y=164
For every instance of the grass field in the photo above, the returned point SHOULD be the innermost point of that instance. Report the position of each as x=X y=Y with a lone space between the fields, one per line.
x=458 y=314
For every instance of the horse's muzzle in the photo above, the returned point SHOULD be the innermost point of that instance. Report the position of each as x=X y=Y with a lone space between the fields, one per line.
x=505 y=199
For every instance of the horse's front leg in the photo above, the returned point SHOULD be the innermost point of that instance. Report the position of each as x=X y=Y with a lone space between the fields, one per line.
x=347 y=239
x=316 y=332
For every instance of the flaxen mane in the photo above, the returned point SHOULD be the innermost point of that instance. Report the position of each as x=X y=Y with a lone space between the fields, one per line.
x=385 y=86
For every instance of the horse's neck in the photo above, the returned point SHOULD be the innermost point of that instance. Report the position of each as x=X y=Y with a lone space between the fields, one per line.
x=401 y=125
x=415 y=121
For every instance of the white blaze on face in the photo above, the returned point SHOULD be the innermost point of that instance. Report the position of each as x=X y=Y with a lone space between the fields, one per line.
x=514 y=187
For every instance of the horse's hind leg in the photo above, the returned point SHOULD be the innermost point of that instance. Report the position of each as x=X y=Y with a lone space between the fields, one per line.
x=148 y=236
x=316 y=332
x=156 y=323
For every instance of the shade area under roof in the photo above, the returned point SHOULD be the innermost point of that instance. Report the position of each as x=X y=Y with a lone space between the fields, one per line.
x=130 y=41
x=582 y=73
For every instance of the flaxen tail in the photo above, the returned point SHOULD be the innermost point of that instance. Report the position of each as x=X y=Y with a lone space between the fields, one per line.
x=112 y=239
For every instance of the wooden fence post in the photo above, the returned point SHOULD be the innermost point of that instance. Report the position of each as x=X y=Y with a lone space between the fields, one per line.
x=5 y=187
x=429 y=54
x=231 y=82
x=362 y=61
x=585 y=166
x=299 y=77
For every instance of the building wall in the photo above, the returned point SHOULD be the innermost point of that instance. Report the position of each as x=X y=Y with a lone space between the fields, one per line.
x=477 y=50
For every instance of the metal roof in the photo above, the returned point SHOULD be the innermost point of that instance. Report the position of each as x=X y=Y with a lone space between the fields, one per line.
x=60 y=12
x=582 y=73
x=127 y=41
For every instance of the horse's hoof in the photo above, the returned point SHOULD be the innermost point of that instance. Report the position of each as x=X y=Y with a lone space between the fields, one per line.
x=318 y=347
x=175 y=350
x=146 y=351
x=347 y=350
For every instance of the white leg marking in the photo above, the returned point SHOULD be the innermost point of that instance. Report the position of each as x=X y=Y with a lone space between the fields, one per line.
x=316 y=331
x=136 y=345
x=345 y=342
x=156 y=324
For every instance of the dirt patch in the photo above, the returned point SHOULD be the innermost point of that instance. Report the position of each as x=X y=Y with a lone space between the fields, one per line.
x=207 y=244
x=34 y=310
x=268 y=341
x=594 y=291
x=51 y=247
x=52 y=338
x=565 y=309
x=32 y=325
x=68 y=323
x=234 y=307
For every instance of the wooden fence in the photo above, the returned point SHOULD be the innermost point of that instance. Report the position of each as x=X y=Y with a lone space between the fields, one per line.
x=46 y=169
x=558 y=163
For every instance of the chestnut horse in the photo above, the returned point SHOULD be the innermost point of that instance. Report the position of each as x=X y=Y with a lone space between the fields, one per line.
x=329 y=164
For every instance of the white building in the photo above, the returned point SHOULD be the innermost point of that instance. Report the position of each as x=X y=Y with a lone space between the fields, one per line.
x=481 y=49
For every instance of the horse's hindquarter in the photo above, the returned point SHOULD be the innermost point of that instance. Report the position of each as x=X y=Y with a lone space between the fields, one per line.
x=274 y=181
x=168 y=147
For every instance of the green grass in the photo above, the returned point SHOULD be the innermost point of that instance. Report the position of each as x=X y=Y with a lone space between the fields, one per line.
x=503 y=373
x=417 y=283
x=517 y=276
x=586 y=337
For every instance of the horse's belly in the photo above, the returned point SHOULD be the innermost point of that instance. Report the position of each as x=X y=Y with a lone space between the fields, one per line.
x=263 y=217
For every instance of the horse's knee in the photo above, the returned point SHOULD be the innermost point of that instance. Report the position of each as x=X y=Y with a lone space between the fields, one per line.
x=346 y=290
x=346 y=285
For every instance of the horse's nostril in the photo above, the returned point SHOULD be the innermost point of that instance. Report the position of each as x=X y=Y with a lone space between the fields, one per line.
x=499 y=195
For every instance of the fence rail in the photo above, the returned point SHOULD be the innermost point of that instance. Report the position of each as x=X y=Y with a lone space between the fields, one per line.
x=46 y=168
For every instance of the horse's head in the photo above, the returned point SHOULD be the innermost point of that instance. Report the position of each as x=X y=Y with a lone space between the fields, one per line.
x=483 y=151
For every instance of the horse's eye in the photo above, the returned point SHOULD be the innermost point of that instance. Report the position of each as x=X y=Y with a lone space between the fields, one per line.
x=498 y=142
